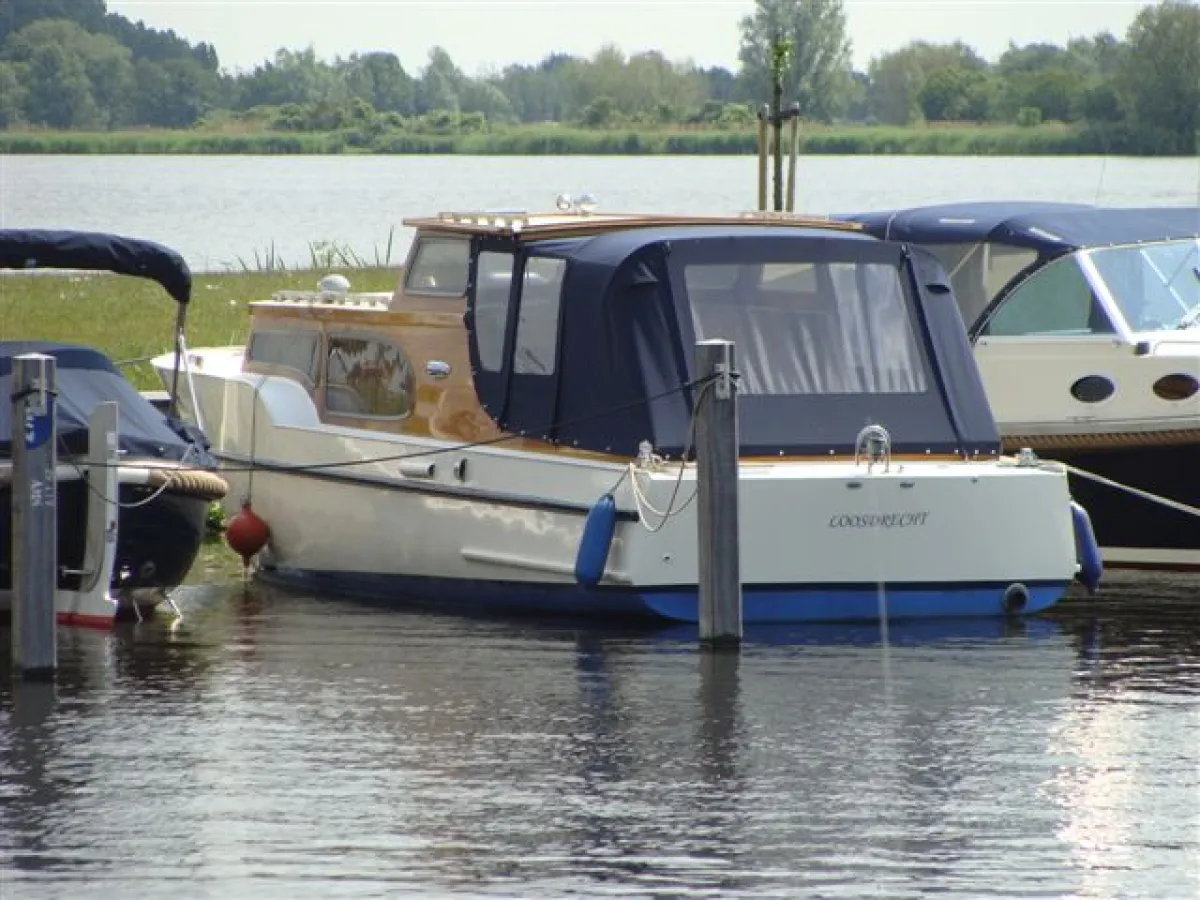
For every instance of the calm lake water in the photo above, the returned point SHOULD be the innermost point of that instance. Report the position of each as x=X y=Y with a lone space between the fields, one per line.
x=276 y=745
x=283 y=746
x=219 y=210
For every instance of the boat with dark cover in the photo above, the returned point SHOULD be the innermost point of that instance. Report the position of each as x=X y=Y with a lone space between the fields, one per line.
x=510 y=429
x=167 y=476
x=1085 y=324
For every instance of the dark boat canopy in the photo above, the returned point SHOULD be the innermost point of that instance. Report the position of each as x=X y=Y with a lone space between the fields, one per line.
x=46 y=249
x=86 y=378
x=1050 y=229
x=592 y=345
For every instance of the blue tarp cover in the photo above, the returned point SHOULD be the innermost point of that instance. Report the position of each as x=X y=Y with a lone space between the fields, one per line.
x=1049 y=228
x=626 y=334
x=48 y=249
x=85 y=378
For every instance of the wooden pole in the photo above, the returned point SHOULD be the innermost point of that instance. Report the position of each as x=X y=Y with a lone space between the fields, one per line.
x=777 y=128
x=720 y=586
x=763 y=117
x=34 y=519
x=795 y=152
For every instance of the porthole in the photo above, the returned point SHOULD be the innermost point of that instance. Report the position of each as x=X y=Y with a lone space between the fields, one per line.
x=1176 y=386
x=1092 y=389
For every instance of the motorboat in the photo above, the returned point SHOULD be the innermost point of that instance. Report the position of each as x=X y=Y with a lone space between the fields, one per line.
x=447 y=442
x=166 y=478
x=1085 y=324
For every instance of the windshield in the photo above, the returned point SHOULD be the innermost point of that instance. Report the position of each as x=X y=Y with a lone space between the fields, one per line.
x=1156 y=286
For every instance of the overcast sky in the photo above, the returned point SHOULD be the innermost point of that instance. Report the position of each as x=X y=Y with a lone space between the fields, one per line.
x=493 y=33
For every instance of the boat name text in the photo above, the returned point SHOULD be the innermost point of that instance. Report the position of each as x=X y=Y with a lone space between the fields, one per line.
x=878 y=520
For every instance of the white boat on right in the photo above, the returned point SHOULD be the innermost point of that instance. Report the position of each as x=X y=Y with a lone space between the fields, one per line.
x=1085 y=324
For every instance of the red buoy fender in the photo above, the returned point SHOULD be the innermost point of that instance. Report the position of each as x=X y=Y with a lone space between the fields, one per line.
x=247 y=533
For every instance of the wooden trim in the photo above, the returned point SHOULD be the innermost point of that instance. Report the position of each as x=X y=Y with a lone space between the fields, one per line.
x=1114 y=440
x=534 y=226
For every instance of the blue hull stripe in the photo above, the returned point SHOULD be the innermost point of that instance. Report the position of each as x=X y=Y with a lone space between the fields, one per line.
x=760 y=604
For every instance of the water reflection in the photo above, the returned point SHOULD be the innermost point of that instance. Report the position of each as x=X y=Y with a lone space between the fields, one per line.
x=32 y=792
x=279 y=745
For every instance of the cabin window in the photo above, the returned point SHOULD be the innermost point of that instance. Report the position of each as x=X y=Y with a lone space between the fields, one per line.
x=978 y=272
x=292 y=351
x=1003 y=264
x=493 y=283
x=439 y=267
x=537 y=328
x=1056 y=300
x=810 y=328
x=368 y=376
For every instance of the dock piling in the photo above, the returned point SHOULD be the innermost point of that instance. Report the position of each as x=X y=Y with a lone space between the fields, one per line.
x=720 y=586
x=34 y=518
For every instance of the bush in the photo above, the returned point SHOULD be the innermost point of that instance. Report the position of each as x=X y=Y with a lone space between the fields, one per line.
x=1029 y=117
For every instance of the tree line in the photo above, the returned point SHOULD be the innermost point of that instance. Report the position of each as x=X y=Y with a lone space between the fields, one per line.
x=72 y=65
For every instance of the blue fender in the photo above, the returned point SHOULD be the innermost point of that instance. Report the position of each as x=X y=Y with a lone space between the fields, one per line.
x=595 y=541
x=1087 y=550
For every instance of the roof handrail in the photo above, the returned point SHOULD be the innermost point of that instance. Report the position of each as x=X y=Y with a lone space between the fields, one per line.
x=500 y=218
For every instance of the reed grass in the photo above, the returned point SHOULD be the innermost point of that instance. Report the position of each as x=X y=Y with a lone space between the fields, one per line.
x=130 y=319
x=328 y=255
x=1047 y=139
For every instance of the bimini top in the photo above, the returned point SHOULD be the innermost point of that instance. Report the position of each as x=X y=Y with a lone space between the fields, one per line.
x=593 y=346
x=85 y=378
x=46 y=249
x=1050 y=229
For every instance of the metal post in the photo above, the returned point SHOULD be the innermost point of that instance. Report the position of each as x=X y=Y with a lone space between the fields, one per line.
x=34 y=518
x=720 y=585
x=104 y=485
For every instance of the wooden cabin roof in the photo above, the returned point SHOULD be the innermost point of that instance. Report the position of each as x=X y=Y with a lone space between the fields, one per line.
x=537 y=226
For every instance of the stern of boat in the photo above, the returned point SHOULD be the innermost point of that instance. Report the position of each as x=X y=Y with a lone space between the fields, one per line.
x=835 y=540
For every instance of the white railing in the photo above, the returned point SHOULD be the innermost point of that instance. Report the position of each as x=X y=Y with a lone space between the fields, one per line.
x=376 y=300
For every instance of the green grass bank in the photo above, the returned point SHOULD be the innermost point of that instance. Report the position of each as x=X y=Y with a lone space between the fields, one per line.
x=131 y=318
x=1050 y=139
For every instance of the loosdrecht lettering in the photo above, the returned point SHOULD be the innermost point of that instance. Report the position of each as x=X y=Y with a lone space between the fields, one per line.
x=878 y=520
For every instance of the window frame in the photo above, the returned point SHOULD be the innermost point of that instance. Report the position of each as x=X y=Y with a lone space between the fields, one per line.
x=410 y=269
x=1100 y=284
x=353 y=334
x=560 y=279
x=1118 y=328
x=916 y=340
x=310 y=381
x=488 y=383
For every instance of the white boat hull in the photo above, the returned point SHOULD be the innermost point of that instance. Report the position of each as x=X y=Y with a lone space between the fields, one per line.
x=1139 y=447
x=819 y=540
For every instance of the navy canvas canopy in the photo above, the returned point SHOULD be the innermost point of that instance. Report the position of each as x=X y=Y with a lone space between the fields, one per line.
x=47 y=249
x=85 y=378
x=1050 y=229
x=626 y=339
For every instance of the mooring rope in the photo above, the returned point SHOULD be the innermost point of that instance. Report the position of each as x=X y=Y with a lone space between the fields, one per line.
x=1130 y=489
x=174 y=476
x=642 y=502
